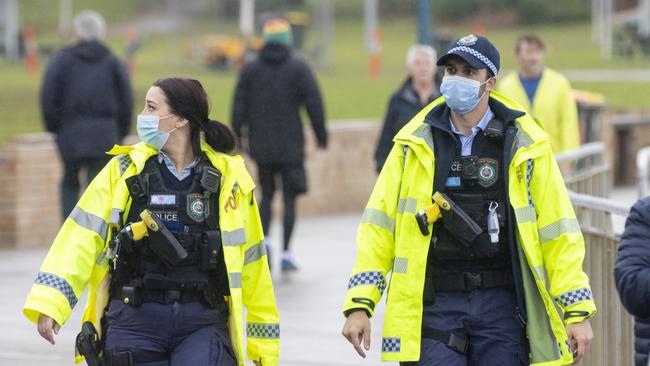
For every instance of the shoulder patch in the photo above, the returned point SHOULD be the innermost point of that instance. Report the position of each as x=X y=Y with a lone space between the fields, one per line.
x=125 y=162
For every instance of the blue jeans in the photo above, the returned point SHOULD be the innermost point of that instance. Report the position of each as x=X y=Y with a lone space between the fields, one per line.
x=486 y=318
x=191 y=333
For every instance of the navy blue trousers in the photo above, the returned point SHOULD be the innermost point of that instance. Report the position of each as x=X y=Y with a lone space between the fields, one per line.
x=191 y=333
x=487 y=318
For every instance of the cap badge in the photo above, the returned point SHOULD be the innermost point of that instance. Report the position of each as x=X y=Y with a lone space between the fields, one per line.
x=469 y=40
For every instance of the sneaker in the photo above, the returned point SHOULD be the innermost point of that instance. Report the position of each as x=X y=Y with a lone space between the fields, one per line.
x=288 y=265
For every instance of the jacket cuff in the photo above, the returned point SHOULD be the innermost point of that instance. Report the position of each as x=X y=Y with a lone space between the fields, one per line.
x=579 y=312
x=359 y=303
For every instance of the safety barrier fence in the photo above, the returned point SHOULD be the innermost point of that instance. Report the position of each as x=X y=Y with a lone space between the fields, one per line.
x=587 y=178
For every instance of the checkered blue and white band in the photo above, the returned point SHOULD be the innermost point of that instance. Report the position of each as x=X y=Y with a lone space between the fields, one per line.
x=476 y=54
x=574 y=296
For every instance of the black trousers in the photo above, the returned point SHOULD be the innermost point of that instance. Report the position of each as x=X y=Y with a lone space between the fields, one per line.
x=70 y=184
x=294 y=183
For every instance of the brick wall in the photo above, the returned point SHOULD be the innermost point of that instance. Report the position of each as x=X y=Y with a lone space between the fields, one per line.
x=340 y=180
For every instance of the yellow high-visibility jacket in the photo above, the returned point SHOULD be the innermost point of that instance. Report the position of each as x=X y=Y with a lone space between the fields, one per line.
x=78 y=255
x=549 y=241
x=553 y=106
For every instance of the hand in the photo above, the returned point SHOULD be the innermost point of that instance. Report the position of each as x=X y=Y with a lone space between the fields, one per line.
x=357 y=329
x=580 y=337
x=46 y=326
x=257 y=363
x=322 y=145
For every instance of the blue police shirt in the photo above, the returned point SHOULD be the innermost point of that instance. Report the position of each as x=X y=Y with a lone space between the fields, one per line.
x=162 y=157
x=466 y=141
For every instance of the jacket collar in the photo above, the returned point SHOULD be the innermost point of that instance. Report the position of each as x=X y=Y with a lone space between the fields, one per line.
x=231 y=167
x=439 y=116
x=531 y=140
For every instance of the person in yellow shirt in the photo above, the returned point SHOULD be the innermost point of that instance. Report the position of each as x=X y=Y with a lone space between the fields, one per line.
x=544 y=93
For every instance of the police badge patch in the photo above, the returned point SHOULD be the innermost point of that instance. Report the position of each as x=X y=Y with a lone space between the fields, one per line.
x=468 y=40
x=488 y=172
x=195 y=209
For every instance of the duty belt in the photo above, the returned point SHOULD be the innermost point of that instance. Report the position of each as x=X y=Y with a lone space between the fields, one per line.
x=137 y=296
x=469 y=281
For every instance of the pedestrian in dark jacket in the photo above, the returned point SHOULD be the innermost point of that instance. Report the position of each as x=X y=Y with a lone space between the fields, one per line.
x=632 y=275
x=87 y=102
x=266 y=110
x=420 y=88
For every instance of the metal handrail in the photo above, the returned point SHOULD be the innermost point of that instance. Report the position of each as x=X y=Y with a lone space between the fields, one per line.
x=599 y=204
x=586 y=150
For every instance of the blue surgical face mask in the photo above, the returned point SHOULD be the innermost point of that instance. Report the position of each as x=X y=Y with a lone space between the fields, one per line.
x=461 y=94
x=148 y=126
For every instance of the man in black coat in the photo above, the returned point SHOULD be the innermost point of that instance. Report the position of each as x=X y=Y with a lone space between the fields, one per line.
x=632 y=275
x=87 y=102
x=268 y=98
x=420 y=88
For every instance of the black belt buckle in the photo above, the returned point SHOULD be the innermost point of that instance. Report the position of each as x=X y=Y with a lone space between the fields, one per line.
x=173 y=295
x=458 y=344
x=473 y=281
x=121 y=358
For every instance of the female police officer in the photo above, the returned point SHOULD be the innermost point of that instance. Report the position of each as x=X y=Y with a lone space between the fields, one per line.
x=171 y=293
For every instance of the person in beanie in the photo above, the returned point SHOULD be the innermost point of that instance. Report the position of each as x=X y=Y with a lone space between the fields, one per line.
x=478 y=282
x=266 y=112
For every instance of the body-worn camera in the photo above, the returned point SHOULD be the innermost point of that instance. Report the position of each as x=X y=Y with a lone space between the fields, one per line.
x=470 y=168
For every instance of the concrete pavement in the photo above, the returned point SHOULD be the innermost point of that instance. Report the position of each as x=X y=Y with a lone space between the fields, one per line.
x=309 y=301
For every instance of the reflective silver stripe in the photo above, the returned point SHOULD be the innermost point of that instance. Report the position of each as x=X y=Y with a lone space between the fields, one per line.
x=262 y=330
x=254 y=253
x=408 y=205
x=101 y=258
x=235 y=237
x=558 y=228
x=234 y=278
x=125 y=162
x=540 y=271
x=116 y=216
x=378 y=218
x=522 y=139
x=89 y=221
x=525 y=214
x=424 y=132
x=400 y=265
x=57 y=283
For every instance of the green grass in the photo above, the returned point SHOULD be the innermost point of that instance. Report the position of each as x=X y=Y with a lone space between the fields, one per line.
x=347 y=89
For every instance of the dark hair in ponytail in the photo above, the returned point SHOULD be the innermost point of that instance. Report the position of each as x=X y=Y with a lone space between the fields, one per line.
x=187 y=98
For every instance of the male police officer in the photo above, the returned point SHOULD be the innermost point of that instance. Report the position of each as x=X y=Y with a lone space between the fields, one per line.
x=476 y=286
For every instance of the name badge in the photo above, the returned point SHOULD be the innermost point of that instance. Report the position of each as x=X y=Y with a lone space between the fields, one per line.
x=163 y=199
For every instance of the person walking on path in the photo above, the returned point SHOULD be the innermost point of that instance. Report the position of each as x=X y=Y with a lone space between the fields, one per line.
x=472 y=219
x=168 y=240
x=266 y=111
x=87 y=103
x=632 y=276
x=419 y=89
